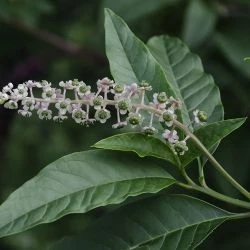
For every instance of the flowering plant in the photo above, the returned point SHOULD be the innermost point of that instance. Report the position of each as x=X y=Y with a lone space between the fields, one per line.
x=181 y=121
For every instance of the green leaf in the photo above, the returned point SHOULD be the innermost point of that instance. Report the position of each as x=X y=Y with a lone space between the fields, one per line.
x=173 y=68
x=158 y=223
x=210 y=135
x=199 y=22
x=234 y=44
x=130 y=60
x=141 y=144
x=184 y=70
x=130 y=13
x=78 y=183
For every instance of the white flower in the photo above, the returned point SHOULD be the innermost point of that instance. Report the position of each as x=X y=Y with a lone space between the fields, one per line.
x=156 y=104
x=83 y=90
x=200 y=117
x=175 y=104
x=60 y=117
x=20 y=92
x=170 y=136
x=31 y=84
x=132 y=89
x=63 y=106
x=8 y=88
x=28 y=104
x=104 y=83
x=11 y=104
x=118 y=89
x=44 y=114
x=79 y=115
x=97 y=102
x=102 y=115
x=3 y=97
x=43 y=84
x=25 y=113
x=66 y=85
x=134 y=119
x=168 y=116
x=49 y=93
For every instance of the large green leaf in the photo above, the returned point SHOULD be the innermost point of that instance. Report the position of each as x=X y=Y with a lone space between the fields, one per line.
x=130 y=60
x=158 y=223
x=199 y=22
x=210 y=135
x=184 y=70
x=78 y=183
x=141 y=144
x=171 y=68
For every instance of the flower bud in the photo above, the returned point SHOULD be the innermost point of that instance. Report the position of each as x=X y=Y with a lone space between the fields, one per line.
x=180 y=147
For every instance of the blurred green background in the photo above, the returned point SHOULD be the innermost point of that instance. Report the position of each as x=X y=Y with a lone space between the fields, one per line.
x=60 y=40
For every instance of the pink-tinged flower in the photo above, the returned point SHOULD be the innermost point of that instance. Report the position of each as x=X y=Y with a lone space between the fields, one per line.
x=104 y=83
x=170 y=136
x=132 y=89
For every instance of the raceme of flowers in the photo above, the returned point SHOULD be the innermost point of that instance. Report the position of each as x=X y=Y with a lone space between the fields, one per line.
x=75 y=98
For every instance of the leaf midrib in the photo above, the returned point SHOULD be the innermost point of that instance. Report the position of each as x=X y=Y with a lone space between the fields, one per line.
x=174 y=231
x=79 y=191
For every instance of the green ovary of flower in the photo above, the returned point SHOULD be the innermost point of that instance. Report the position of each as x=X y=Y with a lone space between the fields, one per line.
x=167 y=116
x=124 y=104
x=102 y=114
x=202 y=116
x=134 y=119
x=162 y=97
x=119 y=88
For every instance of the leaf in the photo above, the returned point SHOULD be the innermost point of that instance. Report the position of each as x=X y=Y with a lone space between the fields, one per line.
x=158 y=223
x=141 y=144
x=130 y=13
x=210 y=135
x=130 y=60
x=199 y=22
x=184 y=70
x=78 y=183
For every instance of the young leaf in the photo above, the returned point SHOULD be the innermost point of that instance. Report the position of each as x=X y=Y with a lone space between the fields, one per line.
x=158 y=223
x=78 y=183
x=141 y=144
x=184 y=70
x=210 y=135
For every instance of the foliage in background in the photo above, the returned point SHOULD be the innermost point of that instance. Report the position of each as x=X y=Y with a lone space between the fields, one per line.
x=74 y=26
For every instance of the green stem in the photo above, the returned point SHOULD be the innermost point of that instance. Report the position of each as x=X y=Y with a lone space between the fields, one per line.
x=213 y=161
x=216 y=195
x=201 y=174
